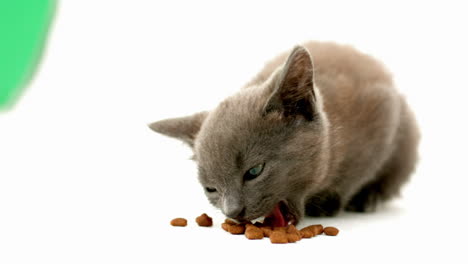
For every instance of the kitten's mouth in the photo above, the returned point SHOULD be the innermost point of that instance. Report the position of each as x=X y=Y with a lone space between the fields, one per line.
x=280 y=216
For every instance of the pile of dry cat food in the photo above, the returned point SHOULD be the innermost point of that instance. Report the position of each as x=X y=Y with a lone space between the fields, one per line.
x=277 y=235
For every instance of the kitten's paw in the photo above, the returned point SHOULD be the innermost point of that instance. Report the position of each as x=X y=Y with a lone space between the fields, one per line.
x=323 y=204
x=364 y=201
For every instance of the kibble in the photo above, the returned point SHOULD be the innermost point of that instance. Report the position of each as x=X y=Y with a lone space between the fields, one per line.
x=315 y=229
x=280 y=228
x=293 y=234
x=179 y=222
x=277 y=235
x=204 y=220
x=249 y=226
x=236 y=229
x=293 y=237
x=254 y=233
x=225 y=227
x=266 y=231
x=318 y=229
x=307 y=233
x=292 y=229
x=331 y=231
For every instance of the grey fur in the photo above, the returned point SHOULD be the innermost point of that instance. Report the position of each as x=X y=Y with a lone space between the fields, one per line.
x=333 y=134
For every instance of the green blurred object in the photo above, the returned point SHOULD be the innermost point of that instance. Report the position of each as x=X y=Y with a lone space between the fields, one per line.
x=23 y=30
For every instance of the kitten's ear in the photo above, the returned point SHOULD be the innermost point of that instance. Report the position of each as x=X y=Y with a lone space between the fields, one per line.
x=293 y=94
x=183 y=128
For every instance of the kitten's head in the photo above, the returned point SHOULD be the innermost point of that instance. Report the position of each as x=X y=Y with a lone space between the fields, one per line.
x=259 y=152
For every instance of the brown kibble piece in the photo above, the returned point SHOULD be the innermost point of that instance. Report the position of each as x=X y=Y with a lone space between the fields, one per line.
x=253 y=232
x=266 y=231
x=293 y=234
x=225 y=226
x=293 y=237
x=179 y=222
x=236 y=229
x=291 y=229
x=256 y=233
x=316 y=229
x=278 y=237
x=331 y=231
x=307 y=233
x=204 y=220
x=280 y=228
x=250 y=227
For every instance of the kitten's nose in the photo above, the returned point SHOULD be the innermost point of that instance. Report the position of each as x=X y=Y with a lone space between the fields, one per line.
x=236 y=213
x=233 y=209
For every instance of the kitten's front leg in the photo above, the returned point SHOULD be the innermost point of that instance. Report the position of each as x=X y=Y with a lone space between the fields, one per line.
x=325 y=203
x=364 y=201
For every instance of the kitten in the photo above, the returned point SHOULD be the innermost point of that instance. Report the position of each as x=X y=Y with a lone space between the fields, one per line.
x=308 y=135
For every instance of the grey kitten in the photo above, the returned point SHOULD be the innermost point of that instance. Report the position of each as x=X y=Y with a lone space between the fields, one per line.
x=304 y=137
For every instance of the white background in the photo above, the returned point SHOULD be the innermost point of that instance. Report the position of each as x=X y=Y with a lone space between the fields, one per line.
x=83 y=180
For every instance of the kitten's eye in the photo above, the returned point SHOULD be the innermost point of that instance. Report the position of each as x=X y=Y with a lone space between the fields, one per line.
x=253 y=172
x=210 y=190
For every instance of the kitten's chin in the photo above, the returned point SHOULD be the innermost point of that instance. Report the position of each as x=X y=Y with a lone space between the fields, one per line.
x=280 y=216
